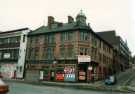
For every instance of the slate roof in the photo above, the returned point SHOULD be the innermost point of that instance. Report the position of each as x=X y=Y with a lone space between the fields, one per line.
x=56 y=28
x=109 y=36
x=16 y=30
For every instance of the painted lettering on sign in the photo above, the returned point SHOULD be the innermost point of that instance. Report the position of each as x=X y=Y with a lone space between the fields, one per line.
x=84 y=58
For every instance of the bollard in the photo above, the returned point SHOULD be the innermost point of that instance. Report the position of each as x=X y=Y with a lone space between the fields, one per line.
x=3 y=87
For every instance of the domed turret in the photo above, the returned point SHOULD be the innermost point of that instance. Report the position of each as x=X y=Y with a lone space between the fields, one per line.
x=81 y=14
x=81 y=18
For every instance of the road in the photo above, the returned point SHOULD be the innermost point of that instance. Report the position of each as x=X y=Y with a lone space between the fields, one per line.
x=21 y=88
x=123 y=77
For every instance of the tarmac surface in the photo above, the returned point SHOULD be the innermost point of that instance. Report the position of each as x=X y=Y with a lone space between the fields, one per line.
x=23 y=88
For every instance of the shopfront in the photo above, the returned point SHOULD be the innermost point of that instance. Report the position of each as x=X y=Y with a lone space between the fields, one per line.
x=59 y=72
x=83 y=65
x=45 y=72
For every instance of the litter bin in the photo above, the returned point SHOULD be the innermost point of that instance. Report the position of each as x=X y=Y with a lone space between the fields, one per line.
x=3 y=87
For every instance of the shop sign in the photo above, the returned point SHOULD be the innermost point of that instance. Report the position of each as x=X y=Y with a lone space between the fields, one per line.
x=84 y=58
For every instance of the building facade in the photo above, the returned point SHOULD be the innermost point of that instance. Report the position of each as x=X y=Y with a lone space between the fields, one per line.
x=122 y=54
x=12 y=52
x=67 y=52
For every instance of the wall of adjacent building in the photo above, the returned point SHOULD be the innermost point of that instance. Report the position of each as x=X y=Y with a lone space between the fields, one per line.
x=22 y=53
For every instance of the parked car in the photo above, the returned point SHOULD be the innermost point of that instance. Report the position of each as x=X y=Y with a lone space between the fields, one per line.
x=4 y=88
x=110 y=80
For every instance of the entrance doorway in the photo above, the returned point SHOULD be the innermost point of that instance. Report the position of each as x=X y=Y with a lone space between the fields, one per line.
x=82 y=72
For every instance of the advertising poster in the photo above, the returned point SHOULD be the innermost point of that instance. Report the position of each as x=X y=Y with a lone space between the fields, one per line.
x=82 y=75
x=69 y=73
x=41 y=75
x=59 y=76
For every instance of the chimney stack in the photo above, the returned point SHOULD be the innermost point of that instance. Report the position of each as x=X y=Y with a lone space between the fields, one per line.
x=70 y=19
x=50 y=21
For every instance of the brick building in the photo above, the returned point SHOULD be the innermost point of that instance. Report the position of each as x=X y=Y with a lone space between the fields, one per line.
x=122 y=54
x=69 y=51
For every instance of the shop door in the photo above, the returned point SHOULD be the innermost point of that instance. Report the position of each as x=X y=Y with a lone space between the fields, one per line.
x=82 y=72
x=52 y=75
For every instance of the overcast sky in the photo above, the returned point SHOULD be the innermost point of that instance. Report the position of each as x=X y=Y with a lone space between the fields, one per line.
x=103 y=15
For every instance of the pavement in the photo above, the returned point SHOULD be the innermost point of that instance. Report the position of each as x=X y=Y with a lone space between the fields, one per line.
x=124 y=83
x=22 y=88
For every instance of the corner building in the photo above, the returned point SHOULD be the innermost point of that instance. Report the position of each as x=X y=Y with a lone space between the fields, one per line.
x=67 y=52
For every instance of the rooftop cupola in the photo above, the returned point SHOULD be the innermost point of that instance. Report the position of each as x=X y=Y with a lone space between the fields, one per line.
x=81 y=18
